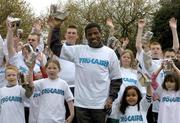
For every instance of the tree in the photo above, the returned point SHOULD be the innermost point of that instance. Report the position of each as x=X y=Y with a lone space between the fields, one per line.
x=125 y=14
x=161 y=29
x=21 y=10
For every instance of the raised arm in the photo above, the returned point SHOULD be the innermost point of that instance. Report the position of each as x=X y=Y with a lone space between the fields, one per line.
x=141 y=24
x=109 y=22
x=10 y=33
x=173 y=26
x=54 y=41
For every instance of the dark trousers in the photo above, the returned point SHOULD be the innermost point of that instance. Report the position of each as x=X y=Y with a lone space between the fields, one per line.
x=85 y=115
x=152 y=116
x=26 y=112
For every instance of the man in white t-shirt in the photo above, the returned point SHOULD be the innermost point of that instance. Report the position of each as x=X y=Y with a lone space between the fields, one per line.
x=97 y=76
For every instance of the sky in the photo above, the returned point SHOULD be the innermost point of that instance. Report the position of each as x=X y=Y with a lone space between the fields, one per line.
x=40 y=6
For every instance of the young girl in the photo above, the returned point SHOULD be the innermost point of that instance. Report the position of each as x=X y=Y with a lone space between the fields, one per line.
x=169 y=97
x=12 y=98
x=53 y=92
x=129 y=77
x=133 y=108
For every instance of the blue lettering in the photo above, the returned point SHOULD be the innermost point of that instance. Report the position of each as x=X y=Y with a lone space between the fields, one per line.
x=11 y=99
x=104 y=63
x=52 y=91
x=130 y=118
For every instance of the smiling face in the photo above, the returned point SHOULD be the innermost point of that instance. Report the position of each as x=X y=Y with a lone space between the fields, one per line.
x=93 y=35
x=126 y=60
x=71 y=36
x=132 y=97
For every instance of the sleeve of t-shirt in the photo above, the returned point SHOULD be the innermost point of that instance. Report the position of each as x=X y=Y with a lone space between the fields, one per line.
x=145 y=102
x=37 y=84
x=68 y=52
x=68 y=94
x=114 y=67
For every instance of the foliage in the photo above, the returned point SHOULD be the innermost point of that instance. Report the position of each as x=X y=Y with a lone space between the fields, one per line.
x=20 y=9
x=161 y=29
x=125 y=14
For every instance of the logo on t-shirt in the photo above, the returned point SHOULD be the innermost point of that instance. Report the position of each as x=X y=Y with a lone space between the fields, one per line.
x=52 y=91
x=131 y=118
x=170 y=99
x=104 y=63
x=11 y=99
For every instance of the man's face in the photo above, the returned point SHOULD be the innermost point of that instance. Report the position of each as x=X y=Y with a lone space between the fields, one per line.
x=33 y=40
x=71 y=36
x=156 y=51
x=169 y=55
x=93 y=35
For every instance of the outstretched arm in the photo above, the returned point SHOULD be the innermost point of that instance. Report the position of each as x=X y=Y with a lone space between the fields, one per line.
x=173 y=26
x=54 y=41
x=141 y=24
x=10 y=33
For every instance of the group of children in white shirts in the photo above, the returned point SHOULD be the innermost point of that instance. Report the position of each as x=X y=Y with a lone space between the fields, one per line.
x=47 y=98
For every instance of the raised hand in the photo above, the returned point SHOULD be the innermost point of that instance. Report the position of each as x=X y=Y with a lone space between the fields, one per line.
x=53 y=22
x=125 y=42
x=109 y=22
x=141 y=23
x=173 y=23
x=11 y=26
x=37 y=26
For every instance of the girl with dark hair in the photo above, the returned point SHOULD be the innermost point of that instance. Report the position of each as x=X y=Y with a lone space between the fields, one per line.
x=133 y=107
x=169 y=97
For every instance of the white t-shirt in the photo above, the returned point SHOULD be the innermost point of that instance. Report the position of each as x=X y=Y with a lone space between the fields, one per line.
x=34 y=107
x=94 y=69
x=51 y=100
x=129 y=77
x=132 y=115
x=11 y=105
x=67 y=72
x=169 y=106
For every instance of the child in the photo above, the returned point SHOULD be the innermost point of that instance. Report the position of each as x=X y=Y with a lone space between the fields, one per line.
x=12 y=98
x=133 y=108
x=169 y=97
x=53 y=92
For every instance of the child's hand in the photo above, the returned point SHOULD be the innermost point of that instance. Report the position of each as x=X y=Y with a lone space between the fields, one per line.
x=156 y=97
x=69 y=119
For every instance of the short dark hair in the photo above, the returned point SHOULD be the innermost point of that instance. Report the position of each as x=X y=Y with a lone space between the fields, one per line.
x=169 y=50
x=72 y=26
x=124 y=103
x=91 y=25
x=171 y=76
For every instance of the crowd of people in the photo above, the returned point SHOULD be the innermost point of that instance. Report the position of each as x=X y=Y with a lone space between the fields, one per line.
x=65 y=82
